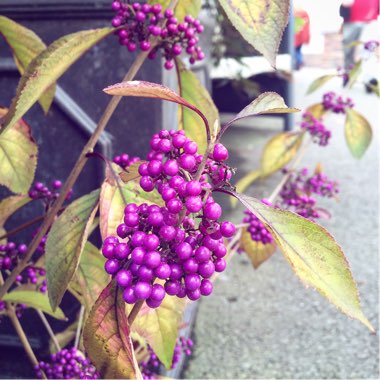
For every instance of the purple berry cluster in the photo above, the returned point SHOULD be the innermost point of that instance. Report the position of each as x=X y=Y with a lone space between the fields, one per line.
x=10 y=253
x=150 y=367
x=257 y=229
x=167 y=243
x=19 y=308
x=316 y=128
x=67 y=364
x=124 y=160
x=136 y=23
x=35 y=276
x=46 y=194
x=297 y=193
x=371 y=45
x=183 y=346
x=331 y=101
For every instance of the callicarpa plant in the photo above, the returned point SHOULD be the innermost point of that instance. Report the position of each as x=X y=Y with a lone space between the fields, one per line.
x=164 y=237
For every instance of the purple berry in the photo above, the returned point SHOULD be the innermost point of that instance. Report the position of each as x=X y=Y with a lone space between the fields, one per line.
x=124 y=278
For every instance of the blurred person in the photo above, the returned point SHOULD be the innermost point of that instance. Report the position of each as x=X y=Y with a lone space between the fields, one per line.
x=356 y=14
x=302 y=33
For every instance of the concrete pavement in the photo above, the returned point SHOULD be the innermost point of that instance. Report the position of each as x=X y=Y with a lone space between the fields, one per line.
x=265 y=324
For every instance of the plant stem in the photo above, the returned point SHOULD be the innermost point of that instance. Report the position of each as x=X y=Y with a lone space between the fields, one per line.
x=21 y=334
x=22 y=227
x=79 y=327
x=49 y=329
x=75 y=172
x=285 y=178
x=135 y=310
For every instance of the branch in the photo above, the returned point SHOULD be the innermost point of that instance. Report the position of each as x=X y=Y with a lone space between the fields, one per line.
x=75 y=172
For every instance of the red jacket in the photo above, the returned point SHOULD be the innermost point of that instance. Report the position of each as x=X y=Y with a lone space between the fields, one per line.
x=364 y=10
x=302 y=35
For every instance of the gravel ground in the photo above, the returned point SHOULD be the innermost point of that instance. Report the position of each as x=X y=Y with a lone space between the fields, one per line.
x=265 y=324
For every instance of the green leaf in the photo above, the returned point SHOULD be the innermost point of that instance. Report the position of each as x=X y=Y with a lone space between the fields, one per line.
x=354 y=73
x=144 y=89
x=47 y=67
x=111 y=205
x=160 y=327
x=90 y=278
x=267 y=102
x=65 y=244
x=317 y=110
x=18 y=157
x=358 y=132
x=183 y=7
x=9 y=205
x=34 y=299
x=256 y=250
x=106 y=337
x=25 y=45
x=279 y=150
x=260 y=22
x=191 y=89
x=313 y=254
x=244 y=183
x=319 y=82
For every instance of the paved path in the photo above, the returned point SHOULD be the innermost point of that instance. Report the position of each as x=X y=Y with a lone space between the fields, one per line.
x=265 y=324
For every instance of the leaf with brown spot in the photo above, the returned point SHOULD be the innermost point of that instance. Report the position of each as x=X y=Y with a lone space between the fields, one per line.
x=106 y=337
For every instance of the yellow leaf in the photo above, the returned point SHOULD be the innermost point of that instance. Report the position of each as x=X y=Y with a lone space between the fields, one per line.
x=313 y=254
x=256 y=250
x=279 y=150
x=358 y=132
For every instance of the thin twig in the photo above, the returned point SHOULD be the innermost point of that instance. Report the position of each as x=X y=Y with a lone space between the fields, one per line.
x=24 y=340
x=234 y=240
x=20 y=332
x=75 y=172
x=22 y=227
x=49 y=329
x=135 y=310
x=79 y=327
